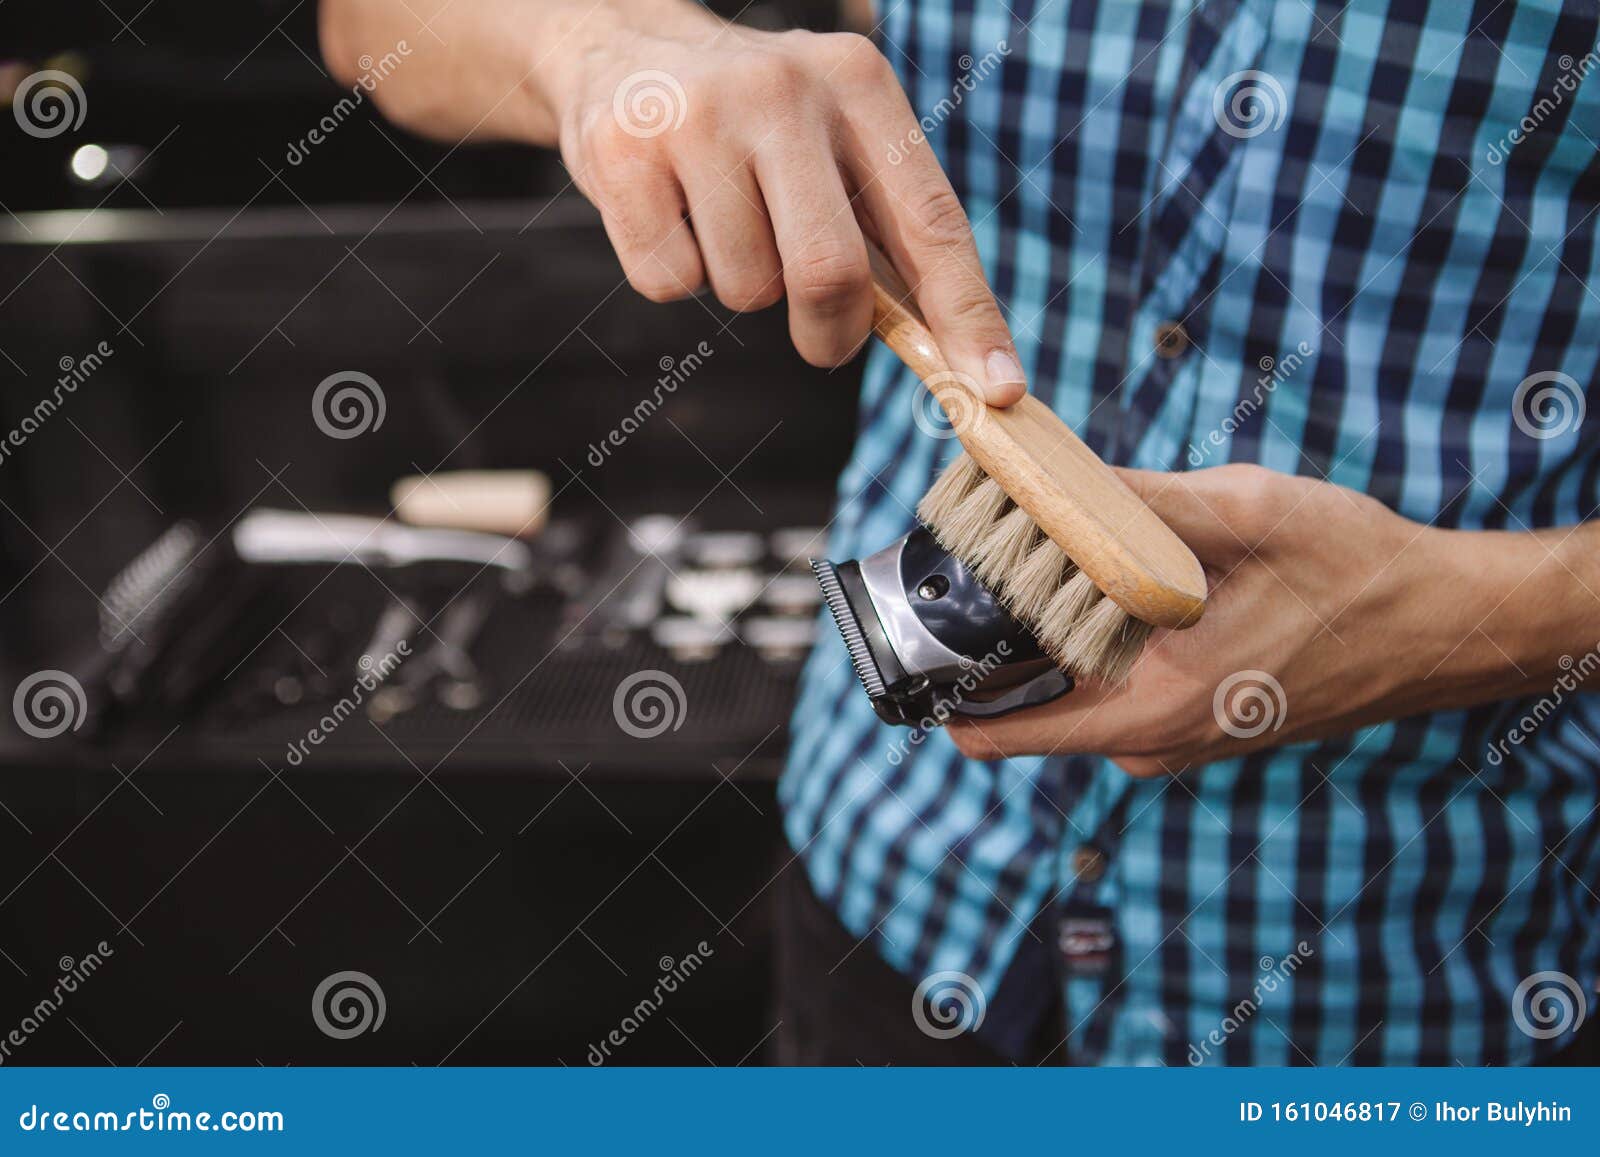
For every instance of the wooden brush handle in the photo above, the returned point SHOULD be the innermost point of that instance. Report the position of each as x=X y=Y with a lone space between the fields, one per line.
x=1072 y=495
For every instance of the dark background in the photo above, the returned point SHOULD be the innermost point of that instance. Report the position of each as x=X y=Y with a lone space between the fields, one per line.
x=516 y=877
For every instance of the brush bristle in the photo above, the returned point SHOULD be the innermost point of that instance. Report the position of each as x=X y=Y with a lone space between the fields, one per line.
x=975 y=515
x=1061 y=616
x=954 y=483
x=1005 y=547
x=1081 y=630
x=1095 y=634
x=1045 y=571
x=1124 y=652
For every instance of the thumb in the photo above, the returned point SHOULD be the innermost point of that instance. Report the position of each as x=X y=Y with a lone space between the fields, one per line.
x=1190 y=507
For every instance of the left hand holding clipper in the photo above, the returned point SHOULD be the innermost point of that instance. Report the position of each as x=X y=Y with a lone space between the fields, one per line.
x=1327 y=612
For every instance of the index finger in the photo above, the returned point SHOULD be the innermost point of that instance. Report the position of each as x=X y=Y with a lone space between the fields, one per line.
x=920 y=223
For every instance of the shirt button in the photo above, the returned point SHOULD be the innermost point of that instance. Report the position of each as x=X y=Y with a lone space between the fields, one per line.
x=1171 y=339
x=1088 y=864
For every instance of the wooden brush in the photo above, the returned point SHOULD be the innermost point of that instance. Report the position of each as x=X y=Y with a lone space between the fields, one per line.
x=1045 y=524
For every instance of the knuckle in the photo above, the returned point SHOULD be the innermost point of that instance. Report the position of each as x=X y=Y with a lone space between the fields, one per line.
x=658 y=283
x=935 y=216
x=971 y=300
x=856 y=61
x=1246 y=478
x=1249 y=476
x=826 y=277
x=1250 y=494
x=607 y=141
x=608 y=180
x=600 y=184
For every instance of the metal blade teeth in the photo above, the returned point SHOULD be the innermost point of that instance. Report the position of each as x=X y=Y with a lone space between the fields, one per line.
x=844 y=618
x=141 y=591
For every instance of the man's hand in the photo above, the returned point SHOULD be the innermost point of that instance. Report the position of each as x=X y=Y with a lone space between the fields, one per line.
x=750 y=161
x=1327 y=612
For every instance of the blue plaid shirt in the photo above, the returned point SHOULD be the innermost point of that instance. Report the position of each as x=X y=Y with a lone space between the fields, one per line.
x=1388 y=213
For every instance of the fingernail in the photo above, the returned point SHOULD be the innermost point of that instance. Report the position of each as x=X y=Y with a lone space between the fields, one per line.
x=1006 y=382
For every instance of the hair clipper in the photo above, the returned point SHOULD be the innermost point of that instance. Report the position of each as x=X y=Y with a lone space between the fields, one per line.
x=928 y=640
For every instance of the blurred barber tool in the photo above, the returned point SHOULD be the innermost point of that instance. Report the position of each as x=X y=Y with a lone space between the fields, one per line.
x=286 y=536
x=509 y=502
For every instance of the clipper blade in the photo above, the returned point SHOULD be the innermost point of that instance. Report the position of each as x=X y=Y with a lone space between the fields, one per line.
x=929 y=641
x=844 y=617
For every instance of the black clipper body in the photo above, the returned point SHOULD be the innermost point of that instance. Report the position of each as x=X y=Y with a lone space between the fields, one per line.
x=928 y=640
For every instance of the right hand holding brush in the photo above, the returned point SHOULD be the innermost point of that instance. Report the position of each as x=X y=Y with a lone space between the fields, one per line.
x=717 y=155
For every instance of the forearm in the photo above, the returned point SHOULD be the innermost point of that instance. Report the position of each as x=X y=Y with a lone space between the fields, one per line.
x=488 y=69
x=1525 y=605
